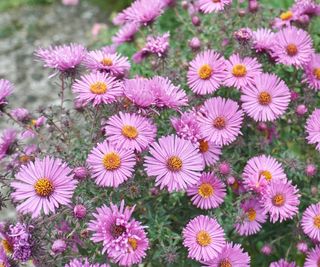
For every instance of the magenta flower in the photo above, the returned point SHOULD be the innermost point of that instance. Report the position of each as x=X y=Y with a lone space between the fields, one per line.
x=98 y=88
x=6 y=89
x=313 y=257
x=8 y=139
x=210 y=6
x=84 y=263
x=204 y=238
x=292 y=46
x=241 y=72
x=312 y=72
x=281 y=200
x=130 y=131
x=220 y=120
x=251 y=218
x=208 y=193
x=20 y=114
x=42 y=186
x=158 y=45
x=310 y=221
x=126 y=33
x=267 y=99
x=206 y=72
x=313 y=128
x=113 y=63
x=110 y=165
x=262 y=39
x=302 y=247
x=282 y=263
x=306 y=7
x=231 y=255
x=266 y=249
x=284 y=19
x=176 y=163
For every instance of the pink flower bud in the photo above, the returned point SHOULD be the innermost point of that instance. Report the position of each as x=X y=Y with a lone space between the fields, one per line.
x=301 y=110
x=196 y=21
x=80 y=173
x=58 y=246
x=80 y=211
x=224 y=168
x=310 y=170
x=195 y=43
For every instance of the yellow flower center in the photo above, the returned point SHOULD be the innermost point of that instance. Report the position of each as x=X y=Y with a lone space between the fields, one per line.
x=24 y=158
x=251 y=214
x=174 y=164
x=7 y=246
x=264 y=98
x=130 y=132
x=316 y=221
x=205 y=72
x=267 y=175
x=203 y=146
x=292 y=50
x=106 y=62
x=2 y=265
x=239 y=70
x=206 y=190
x=278 y=200
x=98 y=88
x=33 y=122
x=286 y=15
x=133 y=243
x=111 y=161
x=225 y=263
x=316 y=72
x=203 y=238
x=44 y=187
x=219 y=123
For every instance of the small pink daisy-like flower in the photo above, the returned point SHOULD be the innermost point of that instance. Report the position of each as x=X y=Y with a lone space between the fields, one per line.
x=312 y=72
x=284 y=19
x=220 y=120
x=206 y=72
x=167 y=94
x=231 y=255
x=175 y=162
x=251 y=217
x=113 y=63
x=64 y=58
x=241 y=72
x=210 y=6
x=43 y=186
x=6 y=89
x=310 y=221
x=208 y=193
x=125 y=33
x=97 y=88
x=204 y=238
x=306 y=7
x=262 y=39
x=313 y=128
x=292 y=46
x=110 y=165
x=130 y=131
x=281 y=200
x=313 y=257
x=267 y=99
x=282 y=263
x=264 y=168
x=8 y=139
x=158 y=45
x=209 y=151
x=84 y=263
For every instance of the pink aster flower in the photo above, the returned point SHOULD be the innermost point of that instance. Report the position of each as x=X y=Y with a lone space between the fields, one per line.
x=241 y=72
x=158 y=45
x=262 y=39
x=110 y=165
x=282 y=263
x=306 y=7
x=231 y=255
x=167 y=94
x=310 y=221
x=176 y=163
x=260 y=170
x=251 y=217
x=284 y=19
x=313 y=128
x=210 y=6
x=312 y=72
x=281 y=200
x=20 y=114
x=206 y=72
x=204 y=238
x=292 y=46
x=6 y=89
x=8 y=139
x=113 y=63
x=313 y=257
x=208 y=193
x=43 y=186
x=267 y=99
x=84 y=263
x=130 y=131
x=64 y=58
x=125 y=34
x=220 y=120
x=97 y=88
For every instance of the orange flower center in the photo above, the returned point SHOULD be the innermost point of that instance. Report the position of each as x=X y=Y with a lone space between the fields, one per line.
x=203 y=146
x=205 y=190
x=98 y=88
x=111 y=161
x=278 y=200
x=286 y=15
x=174 y=164
x=267 y=175
x=292 y=50
x=203 y=238
x=316 y=221
x=133 y=243
x=239 y=70
x=225 y=263
x=24 y=158
x=264 y=98
x=316 y=72
x=205 y=72
x=106 y=62
x=7 y=246
x=44 y=187
x=251 y=214
x=219 y=123
x=130 y=132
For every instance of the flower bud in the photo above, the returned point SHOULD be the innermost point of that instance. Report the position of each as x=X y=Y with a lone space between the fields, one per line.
x=58 y=246
x=80 y=211
x=80 y=173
